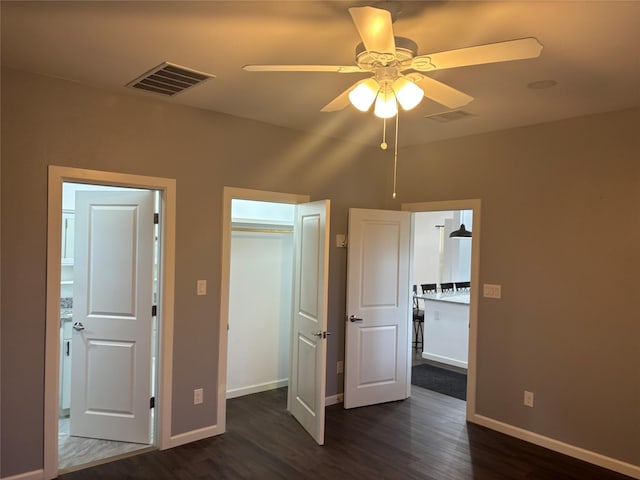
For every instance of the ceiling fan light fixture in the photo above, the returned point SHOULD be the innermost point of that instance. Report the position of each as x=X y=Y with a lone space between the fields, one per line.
x=363 y=96
x=386 y=105
x=409 y=94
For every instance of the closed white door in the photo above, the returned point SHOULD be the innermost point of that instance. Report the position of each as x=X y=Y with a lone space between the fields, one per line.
x=309 y=336
x=377 y=325
x=113 y=289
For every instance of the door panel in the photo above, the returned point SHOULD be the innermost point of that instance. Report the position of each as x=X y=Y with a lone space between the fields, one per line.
x=111 y=344
x=309 y=349
x=377 y=330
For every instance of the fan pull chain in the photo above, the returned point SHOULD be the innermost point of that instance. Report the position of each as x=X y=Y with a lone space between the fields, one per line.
x=383 y=145
x=395 y=158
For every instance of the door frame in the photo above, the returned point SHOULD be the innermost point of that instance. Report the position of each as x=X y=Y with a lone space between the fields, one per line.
x=166 y=281
x=474 y=206
x=229 y=194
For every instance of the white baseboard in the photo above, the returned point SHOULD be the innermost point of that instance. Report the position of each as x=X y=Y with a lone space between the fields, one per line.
x=194 y=435
x=334 y=399
x=558 y=446
x=445 y=360
x=261 y=387
x=35 y=475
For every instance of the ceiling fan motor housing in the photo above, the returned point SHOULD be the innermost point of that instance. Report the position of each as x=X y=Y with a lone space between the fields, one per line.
x=406 y=49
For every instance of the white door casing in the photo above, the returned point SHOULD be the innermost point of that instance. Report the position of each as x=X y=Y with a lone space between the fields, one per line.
x=378 y=299
x=307 y=380
x=113 y=294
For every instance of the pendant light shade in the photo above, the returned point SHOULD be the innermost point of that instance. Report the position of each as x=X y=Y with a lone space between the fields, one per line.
x=460 y=233
x=363 y=96
x=408 y=93
x=386 y=105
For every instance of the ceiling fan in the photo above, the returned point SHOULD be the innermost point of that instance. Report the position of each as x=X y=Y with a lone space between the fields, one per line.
x=395 y=66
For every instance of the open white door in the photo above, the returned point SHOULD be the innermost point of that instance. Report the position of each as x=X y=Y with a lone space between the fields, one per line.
x=111 y=343
x=309 y=336
x=377 y=324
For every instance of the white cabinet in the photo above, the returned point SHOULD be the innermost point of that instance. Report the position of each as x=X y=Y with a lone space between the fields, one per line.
x=68 y=228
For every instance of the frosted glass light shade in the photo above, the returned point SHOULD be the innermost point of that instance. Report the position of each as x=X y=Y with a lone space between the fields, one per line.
x=364 y=94
x=408 y=93
x=386 y=106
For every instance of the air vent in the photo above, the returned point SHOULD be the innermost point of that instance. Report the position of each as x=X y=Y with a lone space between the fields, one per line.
x=169 y=79
x=451 y=116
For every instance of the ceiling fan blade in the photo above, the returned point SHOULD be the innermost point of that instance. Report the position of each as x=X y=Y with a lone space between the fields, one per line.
x=440 y=92
x=493 y=52
x=375 y=28
x=338 y=103
x=304 y=68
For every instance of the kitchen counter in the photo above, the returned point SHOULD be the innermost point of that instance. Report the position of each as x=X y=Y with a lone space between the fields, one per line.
x=463 y=298
x=446 y=328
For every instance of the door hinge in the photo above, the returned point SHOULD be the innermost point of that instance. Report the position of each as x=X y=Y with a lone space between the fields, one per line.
x=156 y=218
x=322 y=334
x=152 y=402
x=154 y=310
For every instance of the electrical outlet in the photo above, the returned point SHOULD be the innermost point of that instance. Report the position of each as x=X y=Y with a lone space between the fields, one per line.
x=492 y=291
x=528 y=399
x=340 y=366
x=201 y=287
x=198 y=396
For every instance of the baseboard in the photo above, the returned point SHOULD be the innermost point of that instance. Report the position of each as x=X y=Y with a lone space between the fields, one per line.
x=334 y=399
x=194 y=435
x=445 y=360
x=558 y=446
x=35 y=475
x=261 y=387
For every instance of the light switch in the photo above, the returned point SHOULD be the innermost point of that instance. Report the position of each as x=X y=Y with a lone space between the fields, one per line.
x=201 y=287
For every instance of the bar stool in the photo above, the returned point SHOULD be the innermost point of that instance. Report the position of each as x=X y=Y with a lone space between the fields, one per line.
x=418 y=321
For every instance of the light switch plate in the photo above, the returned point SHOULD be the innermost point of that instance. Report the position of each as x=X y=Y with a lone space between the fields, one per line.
x=492 y=291
x=341 y=240
x=201 y=287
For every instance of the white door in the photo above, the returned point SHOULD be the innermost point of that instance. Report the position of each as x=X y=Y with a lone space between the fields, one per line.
x=309 y=336
x=111 y=344
x=377 y=340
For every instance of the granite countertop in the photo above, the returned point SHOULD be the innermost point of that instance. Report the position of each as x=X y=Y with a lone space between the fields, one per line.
x=461 y=298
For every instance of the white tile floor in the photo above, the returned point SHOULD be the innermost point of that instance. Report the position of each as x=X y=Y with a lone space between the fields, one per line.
x=75 y=451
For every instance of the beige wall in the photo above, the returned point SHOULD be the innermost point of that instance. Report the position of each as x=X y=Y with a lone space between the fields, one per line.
x=560 y=233
x=47 y=121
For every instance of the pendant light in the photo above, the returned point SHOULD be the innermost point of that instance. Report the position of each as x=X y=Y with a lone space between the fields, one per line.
x=462 y=232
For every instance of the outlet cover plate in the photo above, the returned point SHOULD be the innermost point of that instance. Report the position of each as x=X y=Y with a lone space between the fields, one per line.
x=492 y=291
x=198 y=396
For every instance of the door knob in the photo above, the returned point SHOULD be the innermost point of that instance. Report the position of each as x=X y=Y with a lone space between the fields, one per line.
x=78 y=326
x=353 y=318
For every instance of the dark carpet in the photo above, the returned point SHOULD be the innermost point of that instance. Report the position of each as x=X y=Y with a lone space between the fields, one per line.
x=440 y=380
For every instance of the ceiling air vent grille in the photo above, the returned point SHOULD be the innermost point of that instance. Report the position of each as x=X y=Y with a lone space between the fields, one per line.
x=169 y=79
x=451 y=116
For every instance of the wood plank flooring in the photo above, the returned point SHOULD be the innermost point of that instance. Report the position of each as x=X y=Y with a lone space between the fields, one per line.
x=424 y=437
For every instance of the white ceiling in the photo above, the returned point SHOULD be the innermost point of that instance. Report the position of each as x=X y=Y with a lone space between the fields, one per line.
x=591 y=49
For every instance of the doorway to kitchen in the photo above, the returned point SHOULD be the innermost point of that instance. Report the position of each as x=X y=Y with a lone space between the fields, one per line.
x=105 y=370
x=444 y=274
x=442 y=284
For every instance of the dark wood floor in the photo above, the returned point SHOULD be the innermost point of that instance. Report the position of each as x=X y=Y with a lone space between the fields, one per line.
x=424 y=437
